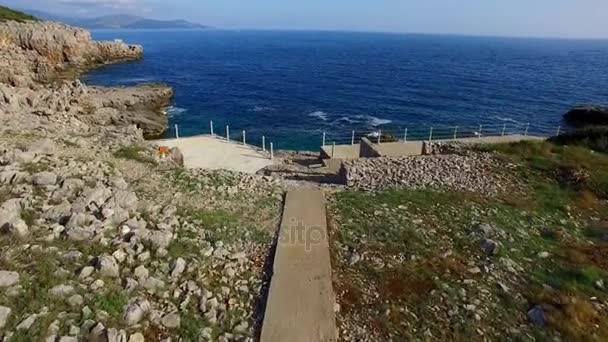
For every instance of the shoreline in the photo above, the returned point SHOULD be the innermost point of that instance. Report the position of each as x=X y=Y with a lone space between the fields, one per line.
x=42 y=79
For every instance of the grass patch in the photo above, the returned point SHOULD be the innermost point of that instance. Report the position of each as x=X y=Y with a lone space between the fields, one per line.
x=191 y=326
x=182 y=248
x=37 y=277
x=573 y=168
x=134 y=152
x=214 y=179
x=595 y=138
x=113 y=302
x=223 y=225
x=33 y=168
x=29 y=216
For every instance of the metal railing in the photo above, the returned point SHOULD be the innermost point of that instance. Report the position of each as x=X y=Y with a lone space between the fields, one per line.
x=261 y=142
x=439 y=133
x=237 y=138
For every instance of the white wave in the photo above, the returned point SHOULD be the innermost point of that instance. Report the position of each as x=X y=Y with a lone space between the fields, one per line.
x=174 y=111
x=258 y=109
x=366 y=119
x=319 y=115
x=375 y=122
x=504 y=119
x=346 y=119
x=136 y=80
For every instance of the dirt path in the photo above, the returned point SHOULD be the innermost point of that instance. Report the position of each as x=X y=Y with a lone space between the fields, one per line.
x=300 y=304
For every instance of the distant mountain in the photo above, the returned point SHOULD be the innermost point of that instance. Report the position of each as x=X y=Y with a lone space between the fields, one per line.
x=120 y=21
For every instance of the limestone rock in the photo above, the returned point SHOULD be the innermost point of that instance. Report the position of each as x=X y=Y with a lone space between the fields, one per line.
x=8 y=278
x=107 y=266
x=44 y=178
x=171 y=320
x=135 y=312
x=61 y=290
x=179 y=266
x=5 y=312
x=177 y=156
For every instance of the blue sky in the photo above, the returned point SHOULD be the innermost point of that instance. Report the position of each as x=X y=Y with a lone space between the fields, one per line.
x=539 y=18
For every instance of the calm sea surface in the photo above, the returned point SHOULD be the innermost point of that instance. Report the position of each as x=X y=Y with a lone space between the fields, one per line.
x=291 y=86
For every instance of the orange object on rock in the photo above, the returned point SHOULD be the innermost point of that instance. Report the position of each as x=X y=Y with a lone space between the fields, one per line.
x=163 y=150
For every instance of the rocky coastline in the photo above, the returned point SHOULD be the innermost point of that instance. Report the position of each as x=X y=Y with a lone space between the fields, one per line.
x=39 y=66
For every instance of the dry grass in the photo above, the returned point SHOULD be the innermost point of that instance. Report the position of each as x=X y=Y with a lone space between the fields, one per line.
x=586 y=254
x=587 y=200
x=573 y=316
x=406 y=286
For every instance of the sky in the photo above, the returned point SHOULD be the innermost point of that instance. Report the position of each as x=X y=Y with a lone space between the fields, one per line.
x=522 y=18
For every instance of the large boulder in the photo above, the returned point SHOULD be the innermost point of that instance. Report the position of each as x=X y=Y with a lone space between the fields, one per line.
x=587 y=115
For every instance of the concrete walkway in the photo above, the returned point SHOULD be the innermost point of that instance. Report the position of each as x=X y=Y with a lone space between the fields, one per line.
x=215 y=153
x=300 y=306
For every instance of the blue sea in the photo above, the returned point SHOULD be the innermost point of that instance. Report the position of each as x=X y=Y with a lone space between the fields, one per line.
x=292 y=86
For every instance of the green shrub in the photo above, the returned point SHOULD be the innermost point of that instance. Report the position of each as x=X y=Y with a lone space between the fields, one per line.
x=595 y=138
x=9 y=14
x=134 y=152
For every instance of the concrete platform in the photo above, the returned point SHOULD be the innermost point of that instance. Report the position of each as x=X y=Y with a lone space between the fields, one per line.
x=414 y=148
x=300 y=306
x=214 y=153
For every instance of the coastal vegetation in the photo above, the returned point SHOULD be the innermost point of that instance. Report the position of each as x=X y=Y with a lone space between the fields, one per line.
x=528 y=263
x=10 y=14
x=593 y=137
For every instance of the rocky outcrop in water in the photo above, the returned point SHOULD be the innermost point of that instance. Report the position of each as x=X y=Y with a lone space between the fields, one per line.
x=35 y=59
x=587 y=115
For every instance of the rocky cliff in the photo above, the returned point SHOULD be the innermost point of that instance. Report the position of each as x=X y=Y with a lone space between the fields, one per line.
x=102 y=237
x=35 y=57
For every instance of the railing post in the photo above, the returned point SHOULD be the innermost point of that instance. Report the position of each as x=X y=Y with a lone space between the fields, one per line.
x=431 y=135
x=323 y=141
x=263 y=143
x=558 y=130
x=271 y=151
x=379 y=136
x=244 y=138
x=333 y=148
x=455 y=132
x=211 y=125
x=480 y=128
x=227 y=133
x=405 y=135
x=504 y=129
x=352 y=139
x=176 y=132
x=527 y=128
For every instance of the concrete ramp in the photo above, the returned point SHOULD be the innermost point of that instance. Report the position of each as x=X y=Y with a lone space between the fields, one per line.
x=214 y=153
x=300 y=306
